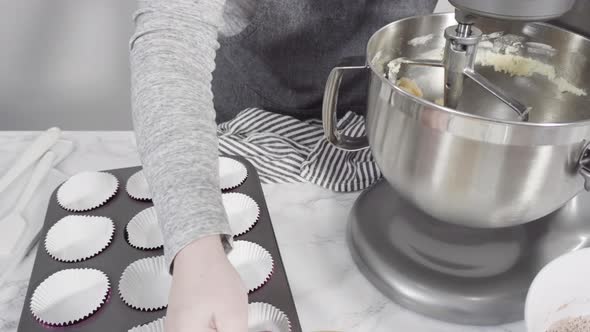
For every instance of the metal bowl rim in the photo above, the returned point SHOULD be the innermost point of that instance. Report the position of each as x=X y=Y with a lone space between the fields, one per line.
x=461 y=114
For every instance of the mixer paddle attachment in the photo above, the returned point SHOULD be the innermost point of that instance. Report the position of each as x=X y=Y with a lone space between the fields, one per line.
x=458 y=63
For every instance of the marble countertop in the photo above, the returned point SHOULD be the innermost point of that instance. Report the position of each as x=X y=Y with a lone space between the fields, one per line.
x=310 y=223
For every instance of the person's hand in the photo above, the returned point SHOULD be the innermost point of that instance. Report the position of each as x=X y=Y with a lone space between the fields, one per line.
x=207 y=293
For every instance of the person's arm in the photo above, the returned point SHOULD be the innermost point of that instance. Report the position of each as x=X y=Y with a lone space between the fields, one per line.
x=172 y=60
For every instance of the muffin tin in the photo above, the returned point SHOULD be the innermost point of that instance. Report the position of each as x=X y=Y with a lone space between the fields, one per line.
x=115 y=315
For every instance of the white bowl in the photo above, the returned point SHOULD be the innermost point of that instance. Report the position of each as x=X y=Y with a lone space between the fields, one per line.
x=561 y=290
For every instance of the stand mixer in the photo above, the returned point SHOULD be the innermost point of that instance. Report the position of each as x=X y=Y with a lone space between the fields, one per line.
x=471 y=206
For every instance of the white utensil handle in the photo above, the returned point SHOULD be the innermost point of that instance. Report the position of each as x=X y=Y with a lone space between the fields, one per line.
x=43 y=143
x=39 y=174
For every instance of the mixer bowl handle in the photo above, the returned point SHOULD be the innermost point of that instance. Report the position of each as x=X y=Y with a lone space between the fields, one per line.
x=584 y=165
x=330 y=105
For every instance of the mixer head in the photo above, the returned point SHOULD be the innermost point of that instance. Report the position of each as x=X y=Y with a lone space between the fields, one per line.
x=521 y=10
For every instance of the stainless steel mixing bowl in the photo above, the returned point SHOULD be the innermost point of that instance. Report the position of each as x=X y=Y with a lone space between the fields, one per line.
x=475 y=166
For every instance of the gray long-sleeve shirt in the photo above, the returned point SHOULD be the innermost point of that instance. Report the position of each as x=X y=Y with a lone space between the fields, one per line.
x=273 y=54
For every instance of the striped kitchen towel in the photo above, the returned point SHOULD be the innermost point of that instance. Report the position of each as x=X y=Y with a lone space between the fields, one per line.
x=284 y=149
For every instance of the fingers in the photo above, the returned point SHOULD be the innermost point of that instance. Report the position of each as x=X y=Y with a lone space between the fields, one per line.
x=180 y=322
x=235 y=323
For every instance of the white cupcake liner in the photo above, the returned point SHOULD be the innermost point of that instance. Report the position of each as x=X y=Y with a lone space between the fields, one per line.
x=145 y=284
x=265 y=317
x=76 y=238
x=143 y=231
x=242 y=212
x=137 y=187
x=87 y=190
x=253 y=263
x=261 y=317
x=69 y=296
x=232 y=173
x=154 y=326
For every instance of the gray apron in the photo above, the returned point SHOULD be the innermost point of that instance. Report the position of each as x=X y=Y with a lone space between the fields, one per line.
x=281 y=61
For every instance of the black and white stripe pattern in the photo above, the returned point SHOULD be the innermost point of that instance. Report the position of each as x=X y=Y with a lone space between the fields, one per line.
x=284 y=149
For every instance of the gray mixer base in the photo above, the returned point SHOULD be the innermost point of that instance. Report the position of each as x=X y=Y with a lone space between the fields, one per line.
x=454 y=273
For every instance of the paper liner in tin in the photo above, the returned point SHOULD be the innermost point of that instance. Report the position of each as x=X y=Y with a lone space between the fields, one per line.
x=87 y=190
x=76 y=238
x=145 y=283
x=253 y=263
x=137 y=187
x=242 y=212
x=232 y=173
x=143 y=231
x=261 y=317
x=265 y=317
x=154 y=326
x=69 y=296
